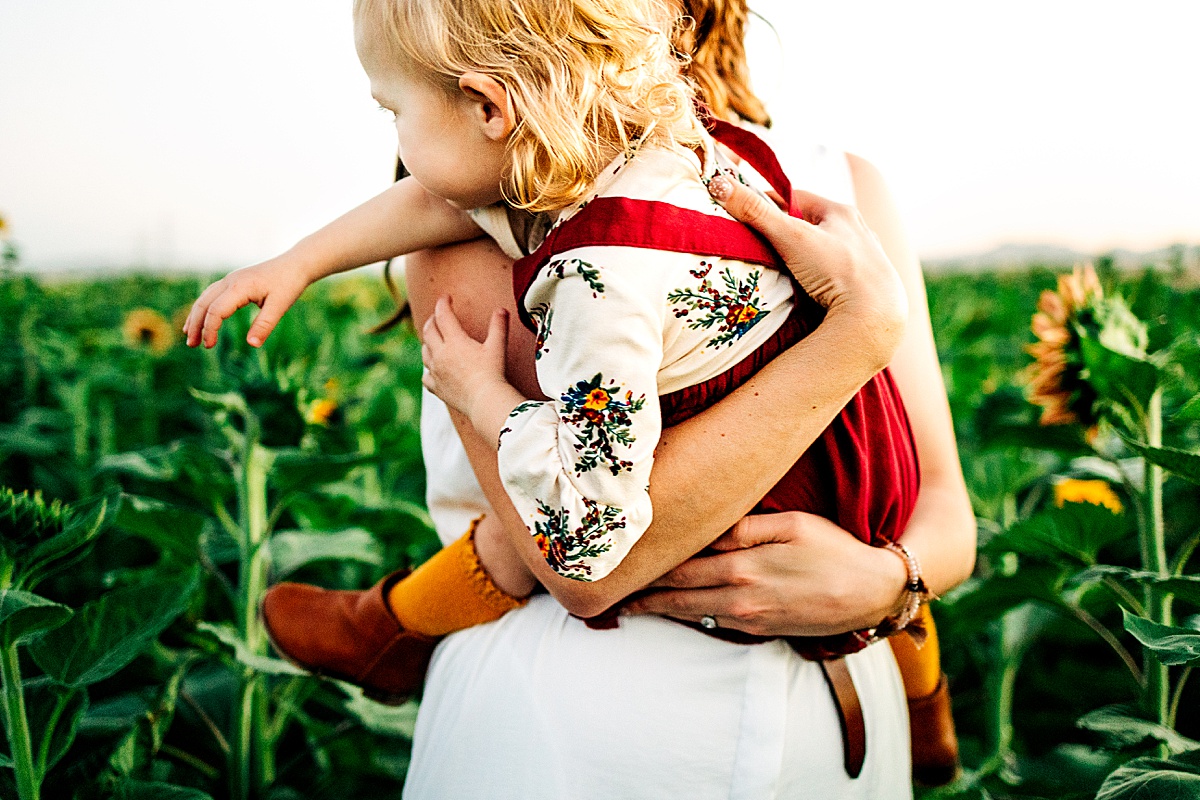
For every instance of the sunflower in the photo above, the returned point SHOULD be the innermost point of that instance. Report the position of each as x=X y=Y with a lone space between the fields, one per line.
x=3 y=227
x=321 y=411
x=146 y=328
x=1096 y=492
x=1055 y=380
x=1059 y=380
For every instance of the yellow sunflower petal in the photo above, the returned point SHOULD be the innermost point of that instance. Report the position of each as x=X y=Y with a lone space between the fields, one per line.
x=1096 y=492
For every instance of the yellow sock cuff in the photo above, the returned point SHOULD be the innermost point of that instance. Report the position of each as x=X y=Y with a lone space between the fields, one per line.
x=449 y=592
x=921 y=669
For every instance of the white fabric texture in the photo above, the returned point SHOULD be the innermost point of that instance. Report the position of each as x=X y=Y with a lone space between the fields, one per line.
x=537 y=706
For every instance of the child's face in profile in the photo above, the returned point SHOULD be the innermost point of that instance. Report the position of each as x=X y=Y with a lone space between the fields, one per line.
x=442 y=136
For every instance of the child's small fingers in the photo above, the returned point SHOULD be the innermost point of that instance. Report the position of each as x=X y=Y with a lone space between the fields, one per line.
x=430 y=331
x=220 y=310
x=447 y=320
x=497 y=333
x=191 y=326
x=265 y=321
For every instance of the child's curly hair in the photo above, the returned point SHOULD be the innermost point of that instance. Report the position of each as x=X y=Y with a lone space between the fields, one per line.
x=586 y=78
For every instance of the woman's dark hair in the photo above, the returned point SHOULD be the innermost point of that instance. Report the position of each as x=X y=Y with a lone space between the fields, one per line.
x=403 y=310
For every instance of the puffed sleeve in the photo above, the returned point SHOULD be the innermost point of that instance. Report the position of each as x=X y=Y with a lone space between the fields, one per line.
x=577 y=467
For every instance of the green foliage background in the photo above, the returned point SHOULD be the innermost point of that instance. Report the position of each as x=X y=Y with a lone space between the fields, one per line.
x=172 y=438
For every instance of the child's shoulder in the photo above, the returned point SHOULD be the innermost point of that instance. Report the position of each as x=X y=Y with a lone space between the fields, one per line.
x=675 y=176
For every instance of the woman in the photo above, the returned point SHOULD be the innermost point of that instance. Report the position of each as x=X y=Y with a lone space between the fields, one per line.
x=537 y=705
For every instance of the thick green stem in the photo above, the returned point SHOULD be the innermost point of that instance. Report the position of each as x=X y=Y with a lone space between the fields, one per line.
x=81 y=426
x=1001 y=686
x=243 y=748
x=250 y=768
x=1154 y=559
x=17 y=725
x=254 y=556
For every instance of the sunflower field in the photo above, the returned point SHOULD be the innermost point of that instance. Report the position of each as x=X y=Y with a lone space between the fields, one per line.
x=152 y=493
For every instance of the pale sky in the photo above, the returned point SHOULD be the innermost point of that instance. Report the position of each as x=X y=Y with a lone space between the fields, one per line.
x=212 y=135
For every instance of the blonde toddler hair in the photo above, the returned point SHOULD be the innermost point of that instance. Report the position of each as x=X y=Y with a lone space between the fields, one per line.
x=586 y=78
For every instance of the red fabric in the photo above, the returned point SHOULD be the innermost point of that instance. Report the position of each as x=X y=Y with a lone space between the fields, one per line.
x=862 y=473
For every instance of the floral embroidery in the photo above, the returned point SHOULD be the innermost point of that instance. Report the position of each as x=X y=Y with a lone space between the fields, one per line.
x=565 y=550
x=523 y=407
x=520 y=409
x=589 y=272
x=541 y=315
x=733 y=312
x=602 y=420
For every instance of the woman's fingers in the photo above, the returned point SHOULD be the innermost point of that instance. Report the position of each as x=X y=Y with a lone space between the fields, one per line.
x=834 y=256
x=748 y=206
x=723 y=569
x=756 y=529
x=692 y=605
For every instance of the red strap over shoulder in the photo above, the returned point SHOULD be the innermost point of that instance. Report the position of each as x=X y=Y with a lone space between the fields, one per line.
x=626 y=222
x=755 y=152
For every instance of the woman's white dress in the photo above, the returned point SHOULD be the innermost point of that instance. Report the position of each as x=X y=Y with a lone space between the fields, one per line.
x=537 y=706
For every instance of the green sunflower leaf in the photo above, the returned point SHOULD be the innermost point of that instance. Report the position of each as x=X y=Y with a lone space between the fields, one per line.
x=1169 y=644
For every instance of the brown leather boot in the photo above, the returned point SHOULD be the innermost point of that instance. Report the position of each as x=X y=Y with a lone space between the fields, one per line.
x=349 y=635
x=934 y=742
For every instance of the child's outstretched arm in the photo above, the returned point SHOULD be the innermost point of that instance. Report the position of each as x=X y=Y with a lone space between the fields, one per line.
x=403 y=219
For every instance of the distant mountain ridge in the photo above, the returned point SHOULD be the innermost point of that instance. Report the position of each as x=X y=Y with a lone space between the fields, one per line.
x=1019 y=256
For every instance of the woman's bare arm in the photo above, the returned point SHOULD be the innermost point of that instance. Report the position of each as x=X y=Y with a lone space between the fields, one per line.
x=942 y=530
x=785 y=574
x=711 y=470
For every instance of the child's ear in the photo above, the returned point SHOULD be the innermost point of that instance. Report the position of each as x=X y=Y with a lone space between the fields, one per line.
x=496 y=115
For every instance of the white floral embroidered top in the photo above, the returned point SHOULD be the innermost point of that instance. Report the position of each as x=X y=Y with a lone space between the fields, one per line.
x=616 y=328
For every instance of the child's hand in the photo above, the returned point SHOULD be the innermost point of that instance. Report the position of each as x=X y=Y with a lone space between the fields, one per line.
x=466 y=374
x=273 y=286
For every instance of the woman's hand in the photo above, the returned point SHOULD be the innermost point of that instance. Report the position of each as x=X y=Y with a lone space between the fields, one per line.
x=466 y=374
x=784 y=574
x=834 y=256
x=273 y=286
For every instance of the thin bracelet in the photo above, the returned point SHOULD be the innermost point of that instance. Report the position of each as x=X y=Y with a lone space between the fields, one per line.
x=915 y=594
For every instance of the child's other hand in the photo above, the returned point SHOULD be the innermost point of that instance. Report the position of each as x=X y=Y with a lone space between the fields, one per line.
x=273 y=286
x=468 y=375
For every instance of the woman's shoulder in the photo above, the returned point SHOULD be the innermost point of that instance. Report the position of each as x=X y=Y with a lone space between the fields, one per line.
x=810 y=165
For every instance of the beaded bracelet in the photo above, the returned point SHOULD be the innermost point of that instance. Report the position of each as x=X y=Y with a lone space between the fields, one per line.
x=915 y=594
